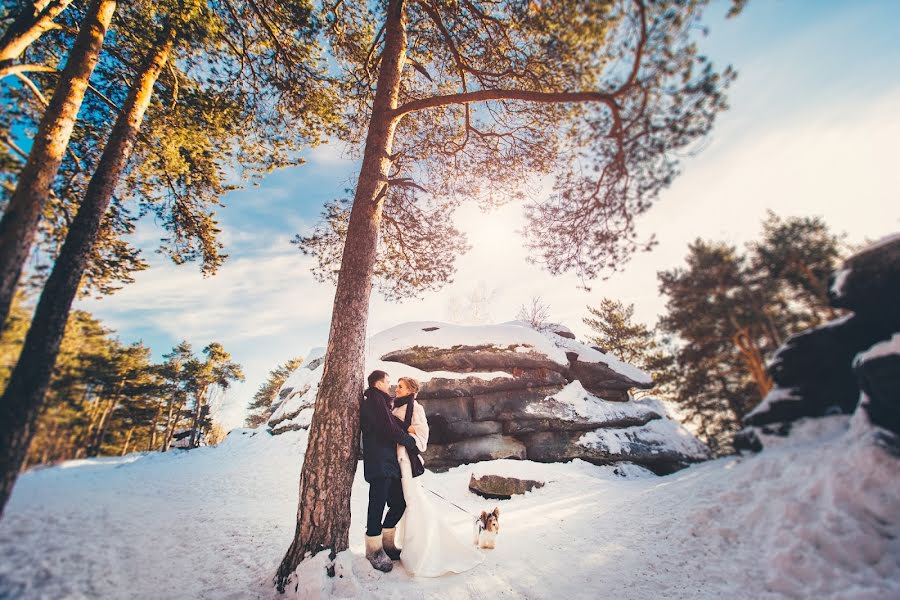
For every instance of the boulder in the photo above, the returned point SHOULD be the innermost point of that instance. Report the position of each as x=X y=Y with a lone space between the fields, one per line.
x=813 y=371
x=501 y=488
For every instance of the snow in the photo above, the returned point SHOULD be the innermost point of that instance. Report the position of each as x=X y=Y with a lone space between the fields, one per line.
x=587 y=354
x=814 y=517
x=840 y=278
x=665 y=433
x=574 y=402
x=776 y=394
x=447 y=335
x=891 y=346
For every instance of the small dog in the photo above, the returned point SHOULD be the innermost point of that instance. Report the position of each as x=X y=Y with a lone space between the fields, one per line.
x=488 y=528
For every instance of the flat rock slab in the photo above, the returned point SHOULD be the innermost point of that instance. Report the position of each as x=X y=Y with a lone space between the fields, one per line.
x=463 y=359
x=501 y=488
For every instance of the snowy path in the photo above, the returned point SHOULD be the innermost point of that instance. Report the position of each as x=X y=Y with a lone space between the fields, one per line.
x=214 y=523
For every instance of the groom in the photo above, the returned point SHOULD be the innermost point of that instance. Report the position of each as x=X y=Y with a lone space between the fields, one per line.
x=381 y=432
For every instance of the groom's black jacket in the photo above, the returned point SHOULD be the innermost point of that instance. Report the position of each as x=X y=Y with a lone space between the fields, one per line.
x=381 y=432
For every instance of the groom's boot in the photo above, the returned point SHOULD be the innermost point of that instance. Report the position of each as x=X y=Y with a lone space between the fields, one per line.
x=390 y=548
x=375 y=554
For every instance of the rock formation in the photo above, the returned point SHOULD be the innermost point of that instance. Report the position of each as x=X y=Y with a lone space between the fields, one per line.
x=511 y=391
x=824 y=370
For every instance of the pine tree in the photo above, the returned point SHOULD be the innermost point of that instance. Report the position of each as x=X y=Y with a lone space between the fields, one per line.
x=261 y=407
x=618 y=334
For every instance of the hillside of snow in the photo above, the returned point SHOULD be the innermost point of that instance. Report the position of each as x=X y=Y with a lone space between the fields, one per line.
x=815 y=515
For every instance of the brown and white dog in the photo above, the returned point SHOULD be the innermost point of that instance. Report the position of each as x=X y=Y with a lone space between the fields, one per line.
x=488 y=528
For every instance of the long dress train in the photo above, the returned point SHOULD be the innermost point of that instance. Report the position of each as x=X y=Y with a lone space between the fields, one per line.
x=430 y=548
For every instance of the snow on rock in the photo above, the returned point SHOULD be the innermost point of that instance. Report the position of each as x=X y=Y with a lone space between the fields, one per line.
x=659 y=436
x=587 y=354
x=776 y=395
x=840 y=278
x=433 y=334
x=304 y=385
x=575 y=404
x=891 y=346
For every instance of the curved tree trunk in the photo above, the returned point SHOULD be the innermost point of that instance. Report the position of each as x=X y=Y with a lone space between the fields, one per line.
x=29 y=26
x=20 y=221
x=24 y=395
x=323 y=516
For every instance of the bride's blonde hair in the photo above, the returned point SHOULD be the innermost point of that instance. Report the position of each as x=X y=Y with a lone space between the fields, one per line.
x=412 y=384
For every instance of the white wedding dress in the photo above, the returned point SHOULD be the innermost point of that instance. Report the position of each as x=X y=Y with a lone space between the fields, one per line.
x=430 y=548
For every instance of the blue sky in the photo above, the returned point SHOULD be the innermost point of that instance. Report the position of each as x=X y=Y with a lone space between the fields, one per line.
x=812 y=130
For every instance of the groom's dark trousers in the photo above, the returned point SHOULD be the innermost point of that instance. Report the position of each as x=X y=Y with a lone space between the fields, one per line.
x=384 y=490
x=381 y=432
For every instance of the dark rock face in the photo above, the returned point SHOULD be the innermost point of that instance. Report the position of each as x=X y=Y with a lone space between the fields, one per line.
x=599 y=377
x=879 y=378
x=501 y=488
x=814 y=370
x=472 y=386
x=488 y=447
x=870 y=283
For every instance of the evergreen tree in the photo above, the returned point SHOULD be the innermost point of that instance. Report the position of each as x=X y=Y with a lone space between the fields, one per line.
x=261 y=407
x=617 y=333
x=728 y=311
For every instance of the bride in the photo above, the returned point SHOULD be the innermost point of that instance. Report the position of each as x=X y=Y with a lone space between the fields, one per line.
x=429 y=546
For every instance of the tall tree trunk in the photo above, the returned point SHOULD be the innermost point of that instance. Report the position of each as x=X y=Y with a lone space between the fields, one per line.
x=25 y=392
x=172 y=424
x=752 y=357
x=28 y=26
x=152 y=444
x=19 y=223
x=323 y=517
x=127 y=441
x=196 y=422
x=97 y=440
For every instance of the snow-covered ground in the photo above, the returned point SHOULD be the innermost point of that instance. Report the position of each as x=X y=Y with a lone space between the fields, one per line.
x=814 y=516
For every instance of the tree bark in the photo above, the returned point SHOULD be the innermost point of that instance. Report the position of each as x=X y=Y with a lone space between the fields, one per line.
x=24 y=395
x=323 y=516
x=127 y=441
x=152 y=444
x=29 y=26
x=19 y=223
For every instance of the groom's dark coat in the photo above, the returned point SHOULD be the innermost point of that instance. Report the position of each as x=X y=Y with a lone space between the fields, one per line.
x=381 y=432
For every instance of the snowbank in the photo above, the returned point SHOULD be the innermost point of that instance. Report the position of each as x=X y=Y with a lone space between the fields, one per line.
x=816 y=516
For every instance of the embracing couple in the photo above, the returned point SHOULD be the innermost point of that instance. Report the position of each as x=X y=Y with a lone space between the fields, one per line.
x=394 y=433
